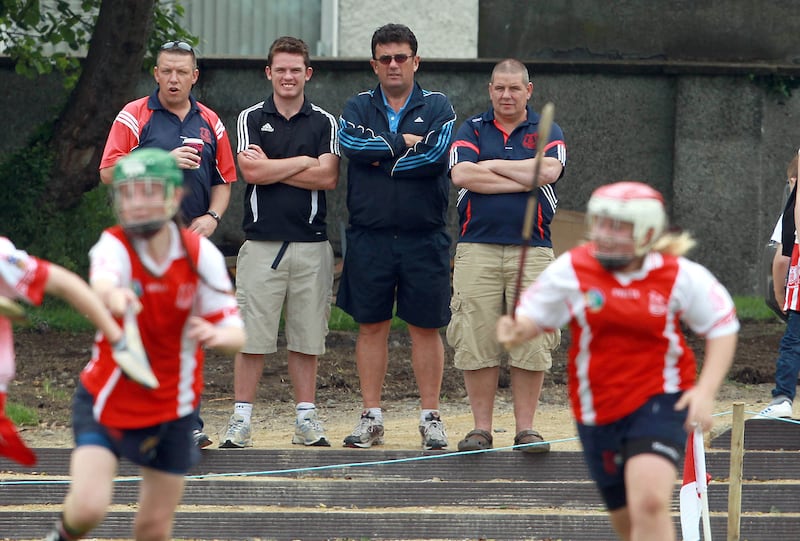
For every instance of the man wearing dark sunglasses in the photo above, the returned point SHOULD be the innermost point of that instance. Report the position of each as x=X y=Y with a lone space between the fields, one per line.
x=396 y=137
x=171 y=119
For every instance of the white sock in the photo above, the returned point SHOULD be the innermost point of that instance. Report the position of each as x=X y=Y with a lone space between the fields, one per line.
x=423 y=416
x=303 y=409
x=376 y=413
x=244 y=409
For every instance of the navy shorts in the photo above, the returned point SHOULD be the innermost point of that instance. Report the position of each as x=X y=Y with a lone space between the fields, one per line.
x=413 y=265
x=654 y=428
x=167 y=447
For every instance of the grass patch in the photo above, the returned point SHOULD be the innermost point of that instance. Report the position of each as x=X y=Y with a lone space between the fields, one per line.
x=341 y=321
x=57 y=315
x=753 y=309
x=21 y=415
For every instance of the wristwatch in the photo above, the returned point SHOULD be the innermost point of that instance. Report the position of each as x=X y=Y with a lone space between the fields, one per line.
x=214 y=215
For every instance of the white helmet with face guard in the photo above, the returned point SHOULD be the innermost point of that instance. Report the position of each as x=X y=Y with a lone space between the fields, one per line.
x=633 y=206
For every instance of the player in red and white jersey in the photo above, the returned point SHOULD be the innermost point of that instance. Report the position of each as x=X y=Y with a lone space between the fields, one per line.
x=177 y=283
x=632 y=378
x=28 y=278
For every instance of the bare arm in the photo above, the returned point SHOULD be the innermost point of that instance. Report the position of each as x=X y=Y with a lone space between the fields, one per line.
x=205 y=224
x=257 y=168
x=699 y=400
x=107 y=175
x=512 y=332
x=521 y=171
x=780 y=267
x=70 y=287
x=224 y=339
x=323 y=176
x=479 y=179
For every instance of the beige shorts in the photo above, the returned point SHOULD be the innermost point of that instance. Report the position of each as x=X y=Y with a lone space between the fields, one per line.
x=300 y=288
x=484 y=281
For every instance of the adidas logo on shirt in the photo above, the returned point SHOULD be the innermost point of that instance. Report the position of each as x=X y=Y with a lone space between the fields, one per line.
x=267 y=128
x=418 y=119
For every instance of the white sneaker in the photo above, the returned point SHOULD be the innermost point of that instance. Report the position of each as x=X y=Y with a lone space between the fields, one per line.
x=237 y=434
x=368 y=432
x=310 y=431
x=432 y=432
x=780 y=407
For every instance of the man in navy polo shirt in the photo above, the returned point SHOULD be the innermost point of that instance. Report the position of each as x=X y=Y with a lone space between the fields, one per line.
x=166 y=119
x=491 y=162
x=288 y=154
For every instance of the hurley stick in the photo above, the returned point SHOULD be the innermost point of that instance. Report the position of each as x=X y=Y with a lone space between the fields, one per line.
x=10 y=309
x=543 y=138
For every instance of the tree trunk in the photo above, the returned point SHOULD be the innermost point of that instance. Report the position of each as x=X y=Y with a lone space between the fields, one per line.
x=111 y=70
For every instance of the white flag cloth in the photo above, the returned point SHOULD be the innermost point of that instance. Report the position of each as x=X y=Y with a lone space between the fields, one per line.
x=693 y=490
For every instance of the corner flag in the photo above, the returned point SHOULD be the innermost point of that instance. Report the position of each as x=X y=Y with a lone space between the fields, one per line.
x=693 y=496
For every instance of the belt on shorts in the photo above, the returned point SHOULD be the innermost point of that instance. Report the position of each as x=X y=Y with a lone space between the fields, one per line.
x=281 y=253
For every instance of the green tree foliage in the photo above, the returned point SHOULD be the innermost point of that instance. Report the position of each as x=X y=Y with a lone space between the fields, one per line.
x=50 y=198
x=44 y=36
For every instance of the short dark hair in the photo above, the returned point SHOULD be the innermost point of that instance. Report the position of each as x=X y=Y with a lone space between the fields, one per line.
x=394 y=33
x=791 y=169
x=288 y=44
x=512 y=65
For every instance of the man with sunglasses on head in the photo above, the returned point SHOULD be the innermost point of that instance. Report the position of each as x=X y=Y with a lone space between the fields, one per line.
x=396 y=137
x=168 y=119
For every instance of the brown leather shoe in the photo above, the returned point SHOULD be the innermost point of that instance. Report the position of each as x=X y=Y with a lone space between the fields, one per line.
x=476 y=440
x=525 y=437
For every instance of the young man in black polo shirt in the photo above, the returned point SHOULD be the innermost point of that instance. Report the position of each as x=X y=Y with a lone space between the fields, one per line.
x=288 y=154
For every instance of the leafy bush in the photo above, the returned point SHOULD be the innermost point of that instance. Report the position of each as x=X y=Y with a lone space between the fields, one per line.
x=63 y=236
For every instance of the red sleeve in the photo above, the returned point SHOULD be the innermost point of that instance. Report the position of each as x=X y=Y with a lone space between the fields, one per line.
x=124 y=134
x=226 y=167
x=37 y=284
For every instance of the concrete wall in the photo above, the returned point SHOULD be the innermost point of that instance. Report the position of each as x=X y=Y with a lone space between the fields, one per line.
x=451 y=32
x=711 y=30
x=716 y=145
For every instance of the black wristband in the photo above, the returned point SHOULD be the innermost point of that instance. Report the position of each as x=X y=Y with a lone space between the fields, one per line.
x=214 y=215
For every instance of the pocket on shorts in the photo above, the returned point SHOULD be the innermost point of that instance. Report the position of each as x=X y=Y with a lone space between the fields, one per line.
x=455 y=329
x=552 y=340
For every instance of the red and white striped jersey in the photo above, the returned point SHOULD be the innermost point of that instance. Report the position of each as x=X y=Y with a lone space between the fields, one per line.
x=792 y=301
x=627 y=343
x=22 y=276
x=192 y=281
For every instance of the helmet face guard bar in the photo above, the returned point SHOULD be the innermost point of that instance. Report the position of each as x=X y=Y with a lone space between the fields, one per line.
x=632 y=203
x=143 y=190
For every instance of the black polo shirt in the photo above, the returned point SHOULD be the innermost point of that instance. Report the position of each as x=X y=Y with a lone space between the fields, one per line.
x=279 y=212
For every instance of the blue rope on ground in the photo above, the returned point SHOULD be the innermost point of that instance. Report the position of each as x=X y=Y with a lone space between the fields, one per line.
x=312 y=468
x=355 y=464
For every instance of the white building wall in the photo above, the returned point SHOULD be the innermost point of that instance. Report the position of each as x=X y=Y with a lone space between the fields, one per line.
x=443 y=29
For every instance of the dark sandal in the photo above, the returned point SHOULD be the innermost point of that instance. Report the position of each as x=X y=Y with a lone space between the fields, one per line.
x=476 y=440
x=525 y=437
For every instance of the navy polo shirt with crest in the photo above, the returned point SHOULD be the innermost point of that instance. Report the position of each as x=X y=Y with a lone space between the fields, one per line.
x=498 y=218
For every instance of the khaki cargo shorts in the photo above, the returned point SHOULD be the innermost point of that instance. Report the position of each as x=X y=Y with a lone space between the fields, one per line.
x=300 y=288
x=484 y=281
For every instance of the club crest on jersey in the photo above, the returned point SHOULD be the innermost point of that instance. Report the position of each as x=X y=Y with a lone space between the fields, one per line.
x=185 y=296
x=205 y=135
x=529 y=141
x=16 y=261
x=657 y=304
x=594 y=300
